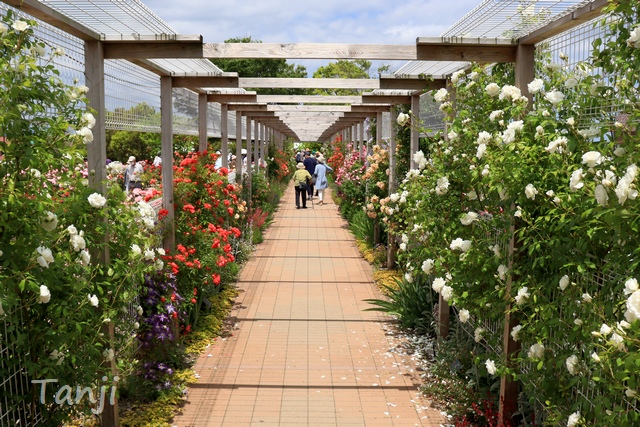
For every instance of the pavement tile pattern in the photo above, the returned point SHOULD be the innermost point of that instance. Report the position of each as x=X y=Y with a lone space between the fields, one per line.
x=302 y=352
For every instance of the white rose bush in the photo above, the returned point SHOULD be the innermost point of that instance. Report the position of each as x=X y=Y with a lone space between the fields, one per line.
x=563 y=185
x=53 y=229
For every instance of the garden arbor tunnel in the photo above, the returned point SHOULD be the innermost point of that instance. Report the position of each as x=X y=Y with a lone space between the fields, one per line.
x=181 y=61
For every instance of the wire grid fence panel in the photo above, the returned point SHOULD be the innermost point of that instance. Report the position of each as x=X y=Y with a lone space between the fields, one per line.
x=431 y=118
x=15 y=385
x=511 y=18
x=591 y=391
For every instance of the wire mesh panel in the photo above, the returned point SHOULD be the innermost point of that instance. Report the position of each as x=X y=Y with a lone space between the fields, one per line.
x=16 y=407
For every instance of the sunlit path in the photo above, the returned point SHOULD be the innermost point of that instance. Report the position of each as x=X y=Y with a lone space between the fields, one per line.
x=303 y=351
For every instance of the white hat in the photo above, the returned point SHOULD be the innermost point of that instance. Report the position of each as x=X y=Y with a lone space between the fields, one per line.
x=243 y=151
x=131 y=159
x=300 y=165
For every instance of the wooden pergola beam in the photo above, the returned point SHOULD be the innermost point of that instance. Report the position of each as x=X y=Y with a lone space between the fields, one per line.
x=465 y=49
x=309 y=51
x=579 y=16
x=309 y=83
x=309 y=99
x=386 y=99
x=231 y=97
x=391 y=81
x=184 y=47
x=206 y=81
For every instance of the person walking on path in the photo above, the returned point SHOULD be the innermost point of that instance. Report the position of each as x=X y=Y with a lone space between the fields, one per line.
x=321 y=178
x=300 y=179
x=310 y=163
x=133 y=175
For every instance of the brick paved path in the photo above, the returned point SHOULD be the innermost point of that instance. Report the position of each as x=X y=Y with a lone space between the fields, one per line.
x=303 y=352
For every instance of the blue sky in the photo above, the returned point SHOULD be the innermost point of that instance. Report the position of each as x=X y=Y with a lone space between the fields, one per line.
x=304 y=21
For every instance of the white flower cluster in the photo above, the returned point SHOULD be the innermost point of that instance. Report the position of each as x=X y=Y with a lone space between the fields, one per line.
x=50 y=221
x=97 y=200
x=511 y=93
x=464 y=315
x=420 y=160
x=523 y=295
x=147 y=215
x=78 y=244
x=442 y=186
x=633 y=301
x=403 y=119
x=509 y=135
x=626 y=187
x=634 y=39
x=115 y=168
x=469 y=218
x=45 y=258
x=460 y=245
x=441 y=95
x=440 y=286
x=557 y=145
x=427 y=265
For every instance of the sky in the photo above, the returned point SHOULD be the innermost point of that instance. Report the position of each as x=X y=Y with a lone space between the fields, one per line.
x=313 y=21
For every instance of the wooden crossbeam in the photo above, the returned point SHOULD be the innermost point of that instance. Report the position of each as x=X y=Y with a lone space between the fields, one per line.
x=309 y=83
x=205 y=81
x=308 y=99
x=309 y=51
x=465 y=49
x=153 y=49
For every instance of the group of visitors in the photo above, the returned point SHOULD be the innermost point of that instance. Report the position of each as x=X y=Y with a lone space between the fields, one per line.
x=311 y=173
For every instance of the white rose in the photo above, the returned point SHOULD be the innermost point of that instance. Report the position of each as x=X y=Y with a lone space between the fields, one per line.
x=574 y=419
x=523 y=295
x=403 y=119
x=586 y=297
x=469 y=218
x=149 y=254
x=530 y=191
x=477 y=334
x=572 y=364
x=87 y=134
x=576 y=180
x=481 y=150
x=602 y=197
x=108 y=354
x=564 y=282
x=630 y=286
x=427 y=265
x=492 y=89
x=502 y=271
x=72 y=230
x=19 y=26
x=464 y=315
x=89 y=119
x=571 y=82
x=592 y=159
x=634 y=39
x=536 y=351
x=50 y=221
x=438 y=284
x=159 y=265
x=85 y=258
x=77 y=242
x=441 y=95
x=515 y=331
x=93 y=300
x=633 y=307
x=446 y=292
x=3 y=29
x=135 y=250
x=139 y=310
x=535 y=86
x=595 y=357
x=97 y=200
x=460 y=245
x=45 y=295
x=495 y=115
x=491 y=366
x=555 y=97
x=161 y=251
x=46 y=256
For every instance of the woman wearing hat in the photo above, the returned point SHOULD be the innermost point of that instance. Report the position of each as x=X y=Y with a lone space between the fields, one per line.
x=321 y=178
x=300 y=180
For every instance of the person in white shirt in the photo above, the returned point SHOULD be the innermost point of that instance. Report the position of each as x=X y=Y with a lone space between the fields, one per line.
x=133 y=175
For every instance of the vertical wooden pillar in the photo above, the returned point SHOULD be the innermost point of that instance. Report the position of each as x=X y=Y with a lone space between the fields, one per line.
x=415 y=130
x=224 y=133
x=256 y=141
x=166 y=114
x=391 y=246
x=379 y=127
x=249 y=169
x=202 y=122
x=525 y=61
x=96 y=162
x=362 y=153
x=239 y=147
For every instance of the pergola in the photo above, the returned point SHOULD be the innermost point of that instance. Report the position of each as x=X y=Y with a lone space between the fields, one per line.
x=129 y=31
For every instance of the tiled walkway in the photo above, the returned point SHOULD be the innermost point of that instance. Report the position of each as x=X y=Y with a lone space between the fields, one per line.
x=303 y=352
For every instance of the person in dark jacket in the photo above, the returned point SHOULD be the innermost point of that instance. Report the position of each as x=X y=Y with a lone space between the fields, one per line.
x=310 y=163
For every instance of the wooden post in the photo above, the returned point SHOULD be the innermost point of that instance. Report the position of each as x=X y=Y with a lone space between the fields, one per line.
x=239 y=147
x=224 y=134
x=256 y=138
x=415 y=130
x=166 y=114
x=96 y=162
x=361 y=138
x=391 y=246
x=249 y=169
x=525 y=61
x=202 y=122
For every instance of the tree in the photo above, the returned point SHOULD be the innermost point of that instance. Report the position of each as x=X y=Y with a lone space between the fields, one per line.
x=263 y=68
x=343 y=69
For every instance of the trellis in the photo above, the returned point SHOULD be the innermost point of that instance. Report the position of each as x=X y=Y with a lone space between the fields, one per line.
x=135 y=70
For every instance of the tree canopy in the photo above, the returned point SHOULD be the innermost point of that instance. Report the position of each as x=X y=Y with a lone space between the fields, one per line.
x=343 y=69
x=263 y=68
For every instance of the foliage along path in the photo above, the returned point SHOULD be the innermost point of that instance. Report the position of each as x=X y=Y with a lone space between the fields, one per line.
x=301 y=350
